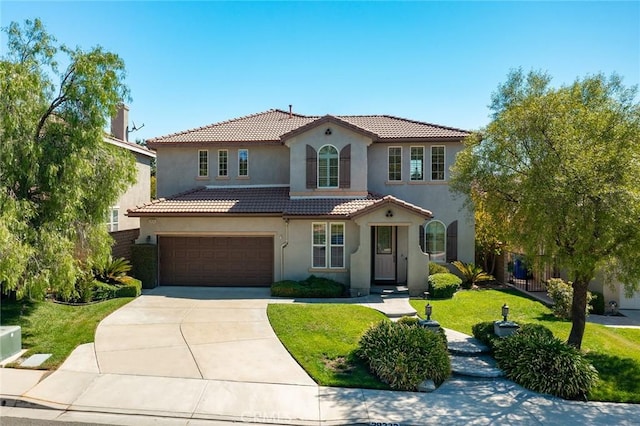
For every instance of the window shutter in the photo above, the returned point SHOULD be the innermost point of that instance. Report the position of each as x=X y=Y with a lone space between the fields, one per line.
x=421 y=235
x=345 y=167
x=452 y=241
x=312 y=168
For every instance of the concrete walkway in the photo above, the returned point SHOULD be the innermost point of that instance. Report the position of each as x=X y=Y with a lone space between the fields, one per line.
x=182 y=355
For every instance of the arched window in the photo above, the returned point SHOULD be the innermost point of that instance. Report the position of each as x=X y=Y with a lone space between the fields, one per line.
x=435 y=237
x=328 y=167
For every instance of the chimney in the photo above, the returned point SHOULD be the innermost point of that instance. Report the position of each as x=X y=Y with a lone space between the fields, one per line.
x=290 y=111
x=120 y=123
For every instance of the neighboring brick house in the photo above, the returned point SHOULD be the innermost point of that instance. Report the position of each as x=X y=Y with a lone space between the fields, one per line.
x=363 y=200
x=125 y=230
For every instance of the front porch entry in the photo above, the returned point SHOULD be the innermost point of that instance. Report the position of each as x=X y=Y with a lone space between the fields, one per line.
x=388 y=252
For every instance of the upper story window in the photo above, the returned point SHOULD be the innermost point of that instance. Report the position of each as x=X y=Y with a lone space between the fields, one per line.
x=112 y=219
x=328 y=167
x=203 y=163
x=435 y=236
x=395 y=163
x=437 y=163
x=243 y=162
x=223 y=162
x=417 y=163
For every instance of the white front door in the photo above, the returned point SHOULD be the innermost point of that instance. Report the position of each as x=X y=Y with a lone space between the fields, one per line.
x=385 y=253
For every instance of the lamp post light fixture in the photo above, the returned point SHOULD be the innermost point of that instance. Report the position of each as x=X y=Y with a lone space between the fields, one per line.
x=427 y=311
x=505 y=312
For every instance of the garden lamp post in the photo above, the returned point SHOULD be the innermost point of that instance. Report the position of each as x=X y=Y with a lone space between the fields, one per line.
x=427 y=311
x=505 y=327
x=505 y=312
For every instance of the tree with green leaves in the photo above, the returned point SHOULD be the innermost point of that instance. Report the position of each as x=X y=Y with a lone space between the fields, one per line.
x=560 y=167
x=58 y=177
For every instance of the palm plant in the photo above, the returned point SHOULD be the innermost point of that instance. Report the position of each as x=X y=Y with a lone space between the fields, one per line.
x=472 y=274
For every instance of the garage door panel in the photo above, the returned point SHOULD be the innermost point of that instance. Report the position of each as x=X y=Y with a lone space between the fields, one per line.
x=216 y=261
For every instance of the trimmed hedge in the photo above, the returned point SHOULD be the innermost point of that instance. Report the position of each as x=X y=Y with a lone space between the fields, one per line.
x=130 y=287
x=144 y=258
x=597 y=303
x=403 y=356
x=436 y=268
x=536 y=360
x=311 y=287
x=443 y=285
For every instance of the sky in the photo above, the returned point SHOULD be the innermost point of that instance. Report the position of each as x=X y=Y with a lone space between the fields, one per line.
x=190 y=64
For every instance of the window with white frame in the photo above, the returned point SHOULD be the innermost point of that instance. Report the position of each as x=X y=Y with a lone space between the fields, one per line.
x=435 y=237
x=417 y=163
x=223 y=162
x=112 y=219
x=327 y=250
x=395 y=163
x=328 y=167
x=203 y=163
x=437 y=163
x=243 y=162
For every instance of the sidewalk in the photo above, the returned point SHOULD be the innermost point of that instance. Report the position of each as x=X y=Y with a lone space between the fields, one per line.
x=80 y=391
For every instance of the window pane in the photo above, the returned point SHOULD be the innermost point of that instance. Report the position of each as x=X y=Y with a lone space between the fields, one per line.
x=417 y=160
x=337 y=234
x=203 y=163
x=435 y=241
x=328 y=167
x=319 y=257
x=395 y=163
x=437 y=162
x=223 y=162
x=384 y=239
x=319 y=233
x=243 y=162
x=337 y=257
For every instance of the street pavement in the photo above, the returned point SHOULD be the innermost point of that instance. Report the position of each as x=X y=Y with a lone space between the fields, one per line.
x=192 y=355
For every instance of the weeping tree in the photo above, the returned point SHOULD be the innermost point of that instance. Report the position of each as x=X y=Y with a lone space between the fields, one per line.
x=57 y=175
x=560 y=168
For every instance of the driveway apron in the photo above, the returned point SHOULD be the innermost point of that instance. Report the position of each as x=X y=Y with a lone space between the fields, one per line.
x=200 y=333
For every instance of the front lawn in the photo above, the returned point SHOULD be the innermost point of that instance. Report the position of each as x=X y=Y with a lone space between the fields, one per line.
x=56 y=329
x=323 y=337
x=614 y=352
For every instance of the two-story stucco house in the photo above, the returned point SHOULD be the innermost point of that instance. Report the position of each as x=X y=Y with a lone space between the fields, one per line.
x=276 y=195
x=122 y=228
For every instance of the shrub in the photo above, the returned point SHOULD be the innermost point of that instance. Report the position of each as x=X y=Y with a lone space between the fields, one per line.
x=472 y=274
x=597 y=303
x=410 y=321
x=145 y=264
x=311 y=287
x=534 y=330
x=484 y=332
x=112 y=270
x=129 y=287
x=436 y=268
x=542 y=363
x=561 y=293
x=403 y=356
x=443 y=286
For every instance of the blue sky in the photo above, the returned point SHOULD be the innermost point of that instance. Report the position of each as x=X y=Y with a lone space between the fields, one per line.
x=194 y=63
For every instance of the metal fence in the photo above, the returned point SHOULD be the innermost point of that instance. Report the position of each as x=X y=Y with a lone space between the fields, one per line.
x=522 y=274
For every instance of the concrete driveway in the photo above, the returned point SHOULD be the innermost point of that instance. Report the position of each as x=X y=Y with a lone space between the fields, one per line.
x=200 y=333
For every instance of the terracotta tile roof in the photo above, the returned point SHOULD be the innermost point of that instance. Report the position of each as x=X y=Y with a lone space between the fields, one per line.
x=263 y=200
x=274 y=125
x=212 y=201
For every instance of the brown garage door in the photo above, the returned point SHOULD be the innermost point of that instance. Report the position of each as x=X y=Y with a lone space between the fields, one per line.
x=216 y=261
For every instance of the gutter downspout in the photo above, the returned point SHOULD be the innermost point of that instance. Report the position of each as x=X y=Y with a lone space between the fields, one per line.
x=283 y=246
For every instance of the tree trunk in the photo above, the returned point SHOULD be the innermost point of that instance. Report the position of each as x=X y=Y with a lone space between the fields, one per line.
x=578 y=312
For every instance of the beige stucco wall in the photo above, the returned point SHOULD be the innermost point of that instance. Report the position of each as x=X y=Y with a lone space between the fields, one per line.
x=178 y=167
x=339 y=138
x=431 y=195
x=136 y=194
x=615 y=291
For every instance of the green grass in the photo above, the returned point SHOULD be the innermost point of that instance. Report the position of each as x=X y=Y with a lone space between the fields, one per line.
x=323 y=338
x=615 y=352
x=56 y=329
